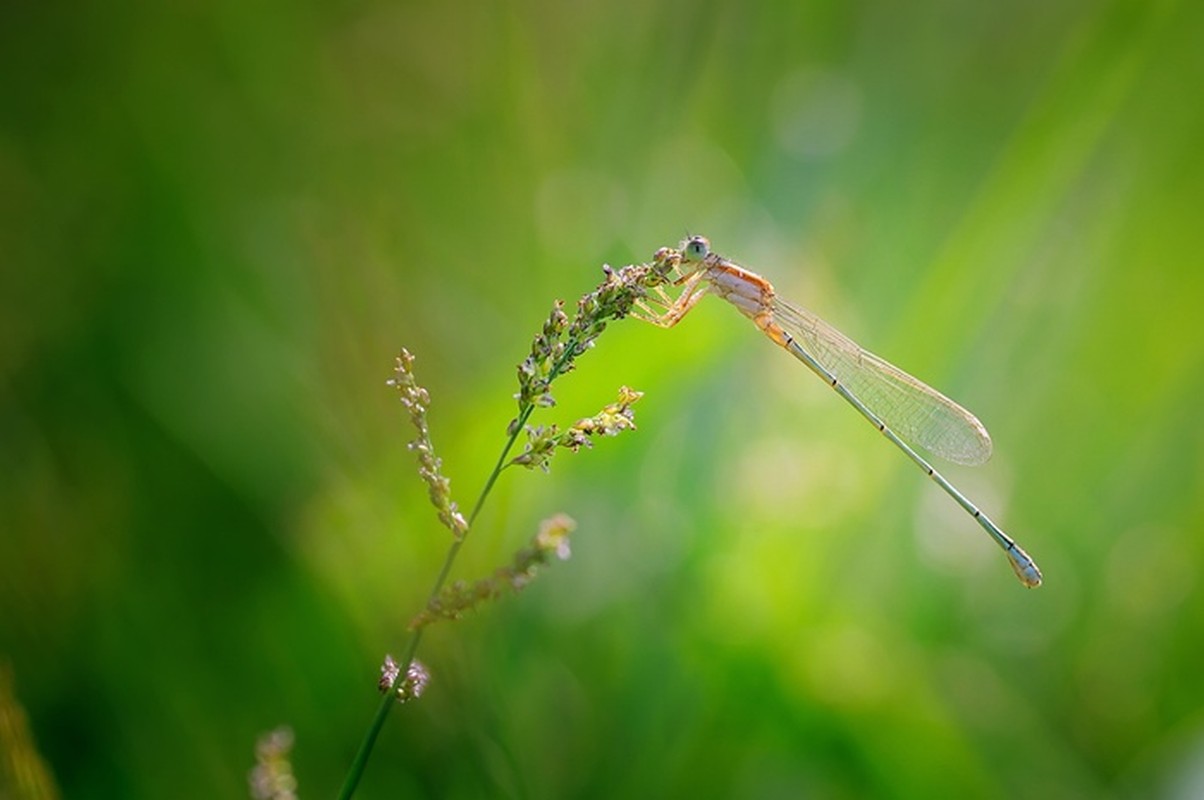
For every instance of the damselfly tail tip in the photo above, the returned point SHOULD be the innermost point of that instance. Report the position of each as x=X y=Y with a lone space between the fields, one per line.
x=1026 y=569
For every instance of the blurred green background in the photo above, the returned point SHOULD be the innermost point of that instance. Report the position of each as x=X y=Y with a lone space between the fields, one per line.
x=219 y=223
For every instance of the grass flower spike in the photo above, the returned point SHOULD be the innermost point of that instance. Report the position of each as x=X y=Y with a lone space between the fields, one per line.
x=416 y=400
x=554 y=351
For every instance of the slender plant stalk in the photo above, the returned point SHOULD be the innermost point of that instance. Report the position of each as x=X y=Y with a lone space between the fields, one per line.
x=613 y=299
x=382 y=711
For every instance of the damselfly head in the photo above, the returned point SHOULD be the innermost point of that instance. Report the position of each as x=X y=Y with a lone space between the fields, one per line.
x=696 y=248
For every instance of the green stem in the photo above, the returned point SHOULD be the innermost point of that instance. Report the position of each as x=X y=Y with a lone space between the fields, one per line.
x=389 y=700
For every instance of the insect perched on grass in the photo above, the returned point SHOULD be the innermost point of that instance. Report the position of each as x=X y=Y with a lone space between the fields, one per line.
x=901 y=407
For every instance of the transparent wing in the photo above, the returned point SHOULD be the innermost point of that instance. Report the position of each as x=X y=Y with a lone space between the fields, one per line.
x=912 y=409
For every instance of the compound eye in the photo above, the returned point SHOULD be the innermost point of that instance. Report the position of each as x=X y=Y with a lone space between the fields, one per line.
x=697 y=248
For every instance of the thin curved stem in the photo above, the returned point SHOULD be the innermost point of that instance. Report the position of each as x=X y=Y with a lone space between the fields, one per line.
x=382 y=712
